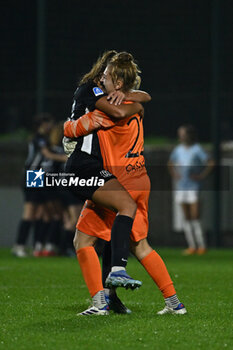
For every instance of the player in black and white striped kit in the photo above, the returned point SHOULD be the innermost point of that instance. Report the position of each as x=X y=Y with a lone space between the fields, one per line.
x=34 y=198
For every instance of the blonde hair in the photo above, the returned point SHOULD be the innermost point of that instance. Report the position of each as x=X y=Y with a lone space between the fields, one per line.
x=98 y=67
x=123 y=67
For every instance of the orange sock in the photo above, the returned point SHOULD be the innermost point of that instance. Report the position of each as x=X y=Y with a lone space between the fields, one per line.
x=91 y=270
x=156 y=268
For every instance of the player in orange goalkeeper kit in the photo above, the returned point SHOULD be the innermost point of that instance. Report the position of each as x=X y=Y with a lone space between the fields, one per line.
x=121 y=147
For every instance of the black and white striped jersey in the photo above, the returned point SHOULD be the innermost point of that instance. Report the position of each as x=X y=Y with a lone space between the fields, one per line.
x=35 y=158
x=85 y=98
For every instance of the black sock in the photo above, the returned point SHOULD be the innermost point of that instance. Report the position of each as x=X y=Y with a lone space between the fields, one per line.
x=54 y=232
x=106 y=261
x=120 y=237
x=66 y=241
x=69 y=239
x=41 y=231
x=23 y=231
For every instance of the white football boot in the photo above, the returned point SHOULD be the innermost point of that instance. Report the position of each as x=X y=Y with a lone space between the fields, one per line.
x=93 y=310
x=179 y=310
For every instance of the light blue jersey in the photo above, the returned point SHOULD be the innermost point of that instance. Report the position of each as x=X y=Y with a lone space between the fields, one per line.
x=188 y=161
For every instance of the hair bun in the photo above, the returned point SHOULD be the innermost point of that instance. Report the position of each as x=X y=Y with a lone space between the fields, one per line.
x=123 y=57
x=123 y=67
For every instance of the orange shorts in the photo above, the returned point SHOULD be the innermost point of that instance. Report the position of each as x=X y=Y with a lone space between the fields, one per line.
x=97 y=221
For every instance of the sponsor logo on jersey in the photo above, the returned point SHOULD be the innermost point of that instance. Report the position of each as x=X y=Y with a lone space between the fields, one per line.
x=137 y=166
x=97 y=91
x=35 y=178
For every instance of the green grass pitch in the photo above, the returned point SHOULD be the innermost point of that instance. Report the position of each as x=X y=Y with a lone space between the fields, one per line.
x=39 y=299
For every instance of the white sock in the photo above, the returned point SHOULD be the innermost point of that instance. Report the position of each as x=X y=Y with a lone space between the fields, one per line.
x=117 y=268
x=172 y=301
x=38 y=246
x=19 y=247
x=106 y=291
x=49 y=247
x=188 y=234
x=99 y=300
x=198 y=233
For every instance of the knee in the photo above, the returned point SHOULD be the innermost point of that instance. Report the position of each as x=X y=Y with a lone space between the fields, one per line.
x=82 y=240
x=70 y=225
x=133 y=208
x=128 y=208
x=194 y=216
x=75 y=240
x=28 y=217
x=28 y=213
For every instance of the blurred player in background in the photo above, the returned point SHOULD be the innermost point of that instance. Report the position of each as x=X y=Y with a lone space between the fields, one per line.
x=34 y=214
x=188 y=165
x=62 y=205
x=122 y=150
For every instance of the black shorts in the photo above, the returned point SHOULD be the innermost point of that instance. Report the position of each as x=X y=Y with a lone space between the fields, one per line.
x=67 y=198
x=37 y=195
x=89 y=169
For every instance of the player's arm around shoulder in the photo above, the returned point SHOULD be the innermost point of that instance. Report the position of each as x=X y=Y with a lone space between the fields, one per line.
x=118 y=111
x=138 y=96
x=117 y=97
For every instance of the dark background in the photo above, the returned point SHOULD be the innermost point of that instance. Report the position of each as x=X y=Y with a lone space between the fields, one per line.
x=171 y=41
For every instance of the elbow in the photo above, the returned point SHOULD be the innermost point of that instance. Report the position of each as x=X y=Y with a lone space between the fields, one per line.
x=148 y=98
x=119 y=114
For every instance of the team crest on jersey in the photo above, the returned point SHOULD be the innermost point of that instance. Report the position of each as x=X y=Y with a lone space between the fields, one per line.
x=97 y=91
x=105 y=173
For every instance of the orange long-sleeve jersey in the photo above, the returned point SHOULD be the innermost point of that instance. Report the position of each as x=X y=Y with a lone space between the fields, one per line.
x=122 y=152
x=121 y=145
